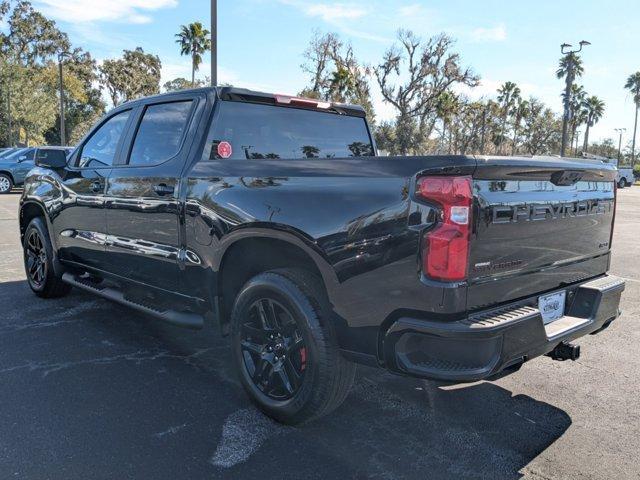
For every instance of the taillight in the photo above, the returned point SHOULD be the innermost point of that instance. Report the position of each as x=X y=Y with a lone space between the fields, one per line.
x=445 y=255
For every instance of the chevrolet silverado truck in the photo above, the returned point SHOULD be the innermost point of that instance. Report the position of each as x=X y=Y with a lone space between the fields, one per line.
x=273 y=218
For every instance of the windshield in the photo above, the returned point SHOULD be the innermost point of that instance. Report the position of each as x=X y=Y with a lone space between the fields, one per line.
x=15 y=156
x=7 y=152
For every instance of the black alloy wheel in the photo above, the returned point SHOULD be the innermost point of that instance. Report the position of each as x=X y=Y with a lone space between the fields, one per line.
x=36 y=258
x=40 y=262
x=273 y=349
x=285 y=348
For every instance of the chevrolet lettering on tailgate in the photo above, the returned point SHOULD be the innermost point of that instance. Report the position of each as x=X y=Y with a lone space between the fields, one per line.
x=548 y=211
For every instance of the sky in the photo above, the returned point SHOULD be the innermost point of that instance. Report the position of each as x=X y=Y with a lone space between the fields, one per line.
x=261 y=42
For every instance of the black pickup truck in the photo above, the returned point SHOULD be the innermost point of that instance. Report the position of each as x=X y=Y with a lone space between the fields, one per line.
x=272 y=217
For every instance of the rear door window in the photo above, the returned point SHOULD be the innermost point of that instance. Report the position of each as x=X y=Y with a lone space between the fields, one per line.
x=254 y=131
x=160 y=134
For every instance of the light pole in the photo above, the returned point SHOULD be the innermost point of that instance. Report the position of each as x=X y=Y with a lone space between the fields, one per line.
x=578 y=132
x=620 y=131
x=214 y=42
x=564 y=49
x=9 y=114
x=63 y=139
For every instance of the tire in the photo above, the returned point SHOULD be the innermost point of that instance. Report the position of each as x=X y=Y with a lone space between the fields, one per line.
x=622 y=183
x=295 y=301
x=6 y=184
x=38 y=262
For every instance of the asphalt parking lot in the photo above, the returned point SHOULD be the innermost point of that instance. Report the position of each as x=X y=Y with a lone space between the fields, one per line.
x=91 y=390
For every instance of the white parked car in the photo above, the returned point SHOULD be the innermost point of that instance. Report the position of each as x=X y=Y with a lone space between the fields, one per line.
x=625 y=174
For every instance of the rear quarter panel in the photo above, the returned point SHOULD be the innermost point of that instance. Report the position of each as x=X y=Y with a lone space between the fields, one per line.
x=353 y=216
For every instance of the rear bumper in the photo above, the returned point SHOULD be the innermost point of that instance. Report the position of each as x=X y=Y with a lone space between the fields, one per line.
x=490 y=342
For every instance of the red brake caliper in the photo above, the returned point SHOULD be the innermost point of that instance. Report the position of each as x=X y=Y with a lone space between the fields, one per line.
x=303 y=358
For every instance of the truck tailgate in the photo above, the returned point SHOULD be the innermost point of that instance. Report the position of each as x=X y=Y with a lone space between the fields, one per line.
x=539 y=224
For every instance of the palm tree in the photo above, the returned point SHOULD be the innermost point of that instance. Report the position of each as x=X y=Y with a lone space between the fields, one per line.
x=519 y=112
x=565 y=61
x=340 y=85
x=580 y=119
x=194 y=41
x=576 y=103
x=508 y=95
x=569 y=68
x=447 y=107
x=633 y=85
x=595 y=109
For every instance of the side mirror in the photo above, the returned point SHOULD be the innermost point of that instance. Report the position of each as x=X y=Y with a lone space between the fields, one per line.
x=51 y=158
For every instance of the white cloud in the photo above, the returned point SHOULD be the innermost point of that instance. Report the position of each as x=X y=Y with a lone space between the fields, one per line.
x=334 y=12
x=329 y=12
x=493 y=34
x=339 y=15
x=128 y=11
x=411 y=11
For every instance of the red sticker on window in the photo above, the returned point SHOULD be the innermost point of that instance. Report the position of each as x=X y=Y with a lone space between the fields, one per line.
x=225 y=150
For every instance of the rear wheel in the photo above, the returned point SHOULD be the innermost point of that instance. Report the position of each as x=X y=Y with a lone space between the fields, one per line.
x=6 y=184
x=38 y=262
x=285 y=349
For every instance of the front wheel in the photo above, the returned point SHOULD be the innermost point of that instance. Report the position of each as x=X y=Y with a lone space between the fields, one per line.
x=38 y=262
x=285 y=349
x=622 y=183
x=5 y=184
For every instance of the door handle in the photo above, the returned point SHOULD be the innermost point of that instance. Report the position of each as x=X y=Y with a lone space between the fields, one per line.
x=163 y=189
x=96 y=187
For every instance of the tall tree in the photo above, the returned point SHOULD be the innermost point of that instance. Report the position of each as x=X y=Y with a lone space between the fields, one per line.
x=466 y=126
x=194 y=41
x=633 y=85
x=385 y=134
x=519 y=112
x=577 y=97
x=180 y=83
x=319 y=57
x=605 y=148
x=336 y=74
x=34 y=107
x=340 y=85
x=31 y=38
x=447 y=107
x=412 y=76
x=565 y=65
x=542 y=129
x=508 y=96
x=136 y=74
x=28 y=41
x=595 y=110
x=569 y=68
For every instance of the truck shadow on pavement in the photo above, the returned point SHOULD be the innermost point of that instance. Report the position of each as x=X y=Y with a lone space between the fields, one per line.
x=90 y=389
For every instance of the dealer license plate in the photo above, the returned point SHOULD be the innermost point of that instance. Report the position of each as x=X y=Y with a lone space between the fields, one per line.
x=552 y=306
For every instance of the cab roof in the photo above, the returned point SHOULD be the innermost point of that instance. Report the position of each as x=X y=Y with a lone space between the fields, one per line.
x=234 y=94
